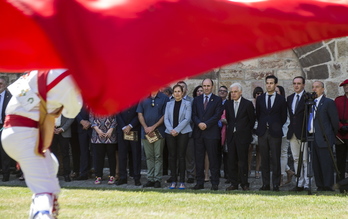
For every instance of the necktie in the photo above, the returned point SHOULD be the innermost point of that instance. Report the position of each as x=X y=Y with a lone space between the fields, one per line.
x=235 y=108
x=297 y=100
x=311 y=117
x=206 y=102
x=269 y=105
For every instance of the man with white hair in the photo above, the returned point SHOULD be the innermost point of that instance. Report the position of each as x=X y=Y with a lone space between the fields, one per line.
x=240 y=118
x=38 y=98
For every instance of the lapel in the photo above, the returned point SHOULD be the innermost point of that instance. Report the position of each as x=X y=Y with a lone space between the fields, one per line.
x=182 y=108
x=211 y=102
x=240 y=107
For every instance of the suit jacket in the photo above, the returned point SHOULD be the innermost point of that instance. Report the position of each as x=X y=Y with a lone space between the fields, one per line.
x=126 y=117
x=296 y=119
x=210 y=117
x=83 y=115
x=65 y=124
x=244 y=122
x=276 y=117
x=327 y=114
x=7 y=99
x=185 y=113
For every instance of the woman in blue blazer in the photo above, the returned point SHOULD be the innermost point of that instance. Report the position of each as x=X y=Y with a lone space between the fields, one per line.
x=177 y=119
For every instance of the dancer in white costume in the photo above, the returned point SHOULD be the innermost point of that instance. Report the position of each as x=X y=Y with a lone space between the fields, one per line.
x=21 y=134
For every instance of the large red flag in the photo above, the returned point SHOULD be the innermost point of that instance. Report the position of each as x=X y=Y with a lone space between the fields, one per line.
x=120 y=50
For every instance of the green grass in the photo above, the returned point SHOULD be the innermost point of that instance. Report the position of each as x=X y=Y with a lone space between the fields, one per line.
x=112 y=203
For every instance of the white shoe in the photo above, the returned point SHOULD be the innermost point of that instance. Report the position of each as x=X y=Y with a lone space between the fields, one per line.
x=44 y=205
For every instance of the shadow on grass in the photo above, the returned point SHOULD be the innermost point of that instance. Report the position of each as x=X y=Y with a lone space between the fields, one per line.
x=206 y=191
x=190 y=191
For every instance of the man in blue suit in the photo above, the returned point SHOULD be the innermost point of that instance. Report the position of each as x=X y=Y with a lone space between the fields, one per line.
x=324 y=125
x=271 y=114
x=206 y=112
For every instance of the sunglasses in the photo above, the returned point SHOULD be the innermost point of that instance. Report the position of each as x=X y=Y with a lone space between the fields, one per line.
x=258 y=93
x=223 y=91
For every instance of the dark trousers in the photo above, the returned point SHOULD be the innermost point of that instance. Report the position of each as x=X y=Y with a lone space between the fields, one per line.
x=123 y=150
x=322 y=167
x=210 y=146
x=75 y=151
x=270 y=154
x=99 y=151
x=5 y=160
x=177 y=153
x=238 y=162
x=62 y=145
x=190 y=159
x=85 y=153
x=341 y=156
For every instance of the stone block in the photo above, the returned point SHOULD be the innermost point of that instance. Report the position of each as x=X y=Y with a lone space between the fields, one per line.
x=288 y=74
x=342 y=48
x=318 y=72
x=231 y=74
x=317 y=57
x=331 y=89
x=257 y=74
x=210 y=74
x=286 y=54
x=300 y=51
x=271 y=63
x=292 y=63
x=335 y=70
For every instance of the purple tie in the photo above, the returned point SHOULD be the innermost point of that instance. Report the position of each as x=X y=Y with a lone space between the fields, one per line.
x=206 y=102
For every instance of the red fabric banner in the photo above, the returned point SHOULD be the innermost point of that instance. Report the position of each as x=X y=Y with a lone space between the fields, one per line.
x=120 y=51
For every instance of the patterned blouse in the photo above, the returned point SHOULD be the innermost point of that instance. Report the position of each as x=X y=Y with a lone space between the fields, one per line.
x=104 y=124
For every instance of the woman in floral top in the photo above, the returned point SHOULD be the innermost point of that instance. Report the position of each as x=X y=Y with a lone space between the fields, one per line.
x=104 y=141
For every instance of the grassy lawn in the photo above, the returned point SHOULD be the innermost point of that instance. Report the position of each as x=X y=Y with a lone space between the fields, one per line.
x=112 y=203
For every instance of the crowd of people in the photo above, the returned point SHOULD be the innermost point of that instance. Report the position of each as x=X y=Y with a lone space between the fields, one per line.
x=199 y=138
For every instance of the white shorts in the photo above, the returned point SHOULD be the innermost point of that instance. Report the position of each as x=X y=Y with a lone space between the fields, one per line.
x=40 y=172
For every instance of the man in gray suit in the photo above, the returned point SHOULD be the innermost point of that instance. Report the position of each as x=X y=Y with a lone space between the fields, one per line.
x=61 y=142
x=190 y=151
x=324 y=124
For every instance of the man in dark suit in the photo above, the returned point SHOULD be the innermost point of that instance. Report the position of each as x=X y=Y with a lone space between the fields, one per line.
x=240 y=118
x=127 y=121
x=61 y=142
x=84 y=134
x=296 y=109
x=5 y=97
x=271 y=115
x=206 y=112
x=324 y=125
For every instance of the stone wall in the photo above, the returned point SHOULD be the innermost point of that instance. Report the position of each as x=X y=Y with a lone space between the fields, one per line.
x=326 y=61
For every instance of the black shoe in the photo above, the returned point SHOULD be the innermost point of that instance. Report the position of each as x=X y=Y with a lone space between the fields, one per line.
x=190 y=180
x=121 y=182
x=6 y=178
x=320 y=189
x=67 y=178
x=157 y=184
x=149 y=184
x=328 y=189
x=276 y=188
x=265 y=188
x=170 y=180
x=297 y=189
x=137 y=182
x=81 y=177
x=230 y=188
x=198 y=187
x=306 y=189
x=245 y=188
x=214 y=187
